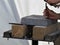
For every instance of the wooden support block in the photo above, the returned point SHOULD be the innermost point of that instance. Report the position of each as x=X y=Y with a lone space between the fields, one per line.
x=19 y=30
x=40 y=31
x=57 y=42
x=58 y=24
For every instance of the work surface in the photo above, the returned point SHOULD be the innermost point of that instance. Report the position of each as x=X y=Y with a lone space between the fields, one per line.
x=8 y=34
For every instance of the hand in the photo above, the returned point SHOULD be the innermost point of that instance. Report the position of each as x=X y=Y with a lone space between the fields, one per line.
x=51 y=14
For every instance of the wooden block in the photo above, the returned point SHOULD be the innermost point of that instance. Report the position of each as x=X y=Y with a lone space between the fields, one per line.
x=40 y=31
x=57 y=42
x=19 y=30
x=58 y=24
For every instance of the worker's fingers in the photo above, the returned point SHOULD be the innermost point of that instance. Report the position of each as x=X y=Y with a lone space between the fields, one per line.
x=50 y=14
x=44 y=12
x=55 y=18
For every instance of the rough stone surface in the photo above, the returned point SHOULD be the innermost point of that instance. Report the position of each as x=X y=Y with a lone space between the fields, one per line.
x=37 y=20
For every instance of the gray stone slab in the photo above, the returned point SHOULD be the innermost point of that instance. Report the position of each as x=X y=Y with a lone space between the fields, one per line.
x=37 y=20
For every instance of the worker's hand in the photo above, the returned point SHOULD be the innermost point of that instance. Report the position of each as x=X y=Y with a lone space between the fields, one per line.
x=51 y=14
x=55 y=3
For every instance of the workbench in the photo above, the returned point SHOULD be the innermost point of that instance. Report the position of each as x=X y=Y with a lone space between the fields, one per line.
x=48 y=38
